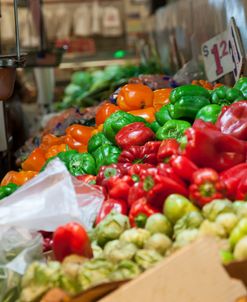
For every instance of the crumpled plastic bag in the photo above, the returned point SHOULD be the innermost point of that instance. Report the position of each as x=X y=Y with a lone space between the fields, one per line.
x=189 y=72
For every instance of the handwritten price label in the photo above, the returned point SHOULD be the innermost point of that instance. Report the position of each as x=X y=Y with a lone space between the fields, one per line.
x=217 y=58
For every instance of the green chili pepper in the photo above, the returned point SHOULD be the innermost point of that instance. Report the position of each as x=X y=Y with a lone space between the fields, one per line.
x=155 y=126
x=209 y=113
x=117 y=121
x=96 y=141
x=187 y=107
x=188 y=90
x=225 y=96
x=7 y=190
x=172 y=129
x=82 y=163
x=163 y=115
x=106 y=155
x=241 y=85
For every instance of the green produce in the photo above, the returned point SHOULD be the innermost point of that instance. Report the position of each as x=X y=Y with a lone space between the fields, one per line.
x=176 y=206
x=72 y=90
x=211 y=210
x=192 y=220
x=158 y=242
x=82 y=79
x=225 y=96
x=82 y=163
x=172 y=129
x=158 y=223
x=111 y=228
x=163 y=115
x=7 y=190
x=240 y=251
x=188 y=90
x=184 y=238
x=118 y=250
x=155 y=126
x=238 y=232
x=209 y=113
x=240 y=208
x=226 y=257
x=106 y=155
x=241 y=85
x=213 y=229
x=227 y=220
x=125 y=270
x=97 y=250
x=136 y=236
x=147 y=258
x=96 y=141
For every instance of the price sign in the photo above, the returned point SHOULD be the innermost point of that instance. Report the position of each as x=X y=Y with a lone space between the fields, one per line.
x=236 y=49
x=217 y=58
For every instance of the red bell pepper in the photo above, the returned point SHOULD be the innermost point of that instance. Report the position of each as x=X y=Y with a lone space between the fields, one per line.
x=183 y=167
x=242 y=189
x=70 y=239
x=135 y=134
x=89 y=179
x=208 y=147
x=232 y=177
x=136 y=192
x=140 y=211
x=150 y=150
x=135 y=170
x=167 y=148
x=167 y=170
x=109 y=205
x=233 y=120
x=118 y=187
x=206 y=186
x=106 y=172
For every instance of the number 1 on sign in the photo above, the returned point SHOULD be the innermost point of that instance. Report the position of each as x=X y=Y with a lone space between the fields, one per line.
x=217 y=57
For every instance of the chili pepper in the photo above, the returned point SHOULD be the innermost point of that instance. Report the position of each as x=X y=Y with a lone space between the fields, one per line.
x=209 y=147
x=225 y=96
x=117 y=121
x=111 y=205
x=106 y=172
x=163 y=115
x=96 y=141
x=104 y=112
x=203 y=83
x=242 y=188
x=172 y=129
x=135 y=96
x=206 y=186
x=35 y=161
x=87 y=178
x=7 y=190
x=139 y=212
x=18 y=178
x=232 y=177
x=233 y=120
x=82 y=163
x=70 y=239
x=106 y=155
x=146 y=113
x=167 y=148
x=161 y=98
x=209 y=113
x=188 y=90
x=80 y=133
x=54 y=150
x=183 y=167
x=118 y=187
x=241 y=85
x=155 y=126
x=136 y=134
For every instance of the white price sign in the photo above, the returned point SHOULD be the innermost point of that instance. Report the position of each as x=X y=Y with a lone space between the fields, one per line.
x=217 y=58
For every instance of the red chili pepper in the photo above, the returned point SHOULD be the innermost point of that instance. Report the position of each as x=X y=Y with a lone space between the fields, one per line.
x=232 y=178
x=135 y=134
x=118 y=187
x=242 y=189
x=206 y=186
x=167 y=148
x=71 y=239
x=139 y=212
x=208 y=147
x=233 y=120
x=89 y=179
x=109 y=205
x=106 y=172
x=183 y=167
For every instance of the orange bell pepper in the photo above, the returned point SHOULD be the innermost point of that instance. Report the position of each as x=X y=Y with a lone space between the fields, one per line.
x=18 y=178
x=203 y=83
x=161 y=98
x=50 y=140
x=35 y=161
x=72 y=143
x=54 y=150
x=80 y=133
x=135 y=96
x=104 y=112
x=147 y=114
x=82 y=149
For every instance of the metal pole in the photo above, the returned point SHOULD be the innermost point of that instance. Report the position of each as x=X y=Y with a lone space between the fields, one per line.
x=17 y=33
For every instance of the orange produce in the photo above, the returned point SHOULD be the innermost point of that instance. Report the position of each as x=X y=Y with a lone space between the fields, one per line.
x=50 y=140
x=104 y=112
x=161 y=98
x=80 y=133
x=54 y=150
x=35 y=161
x=18 y=178
x=147 y=114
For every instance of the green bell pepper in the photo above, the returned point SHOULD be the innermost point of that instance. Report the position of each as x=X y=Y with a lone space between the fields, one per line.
x=241 y=85
x=225 y=96
x=65 y=157
x=187 y=107
x=82 y=163
x=155 y=126
x=117 y=121
x=96 y=141
x=7 y=190
x=209 y=113
x=188 y=90
x=163 y=115
x=172 y=129
x=106 y=155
